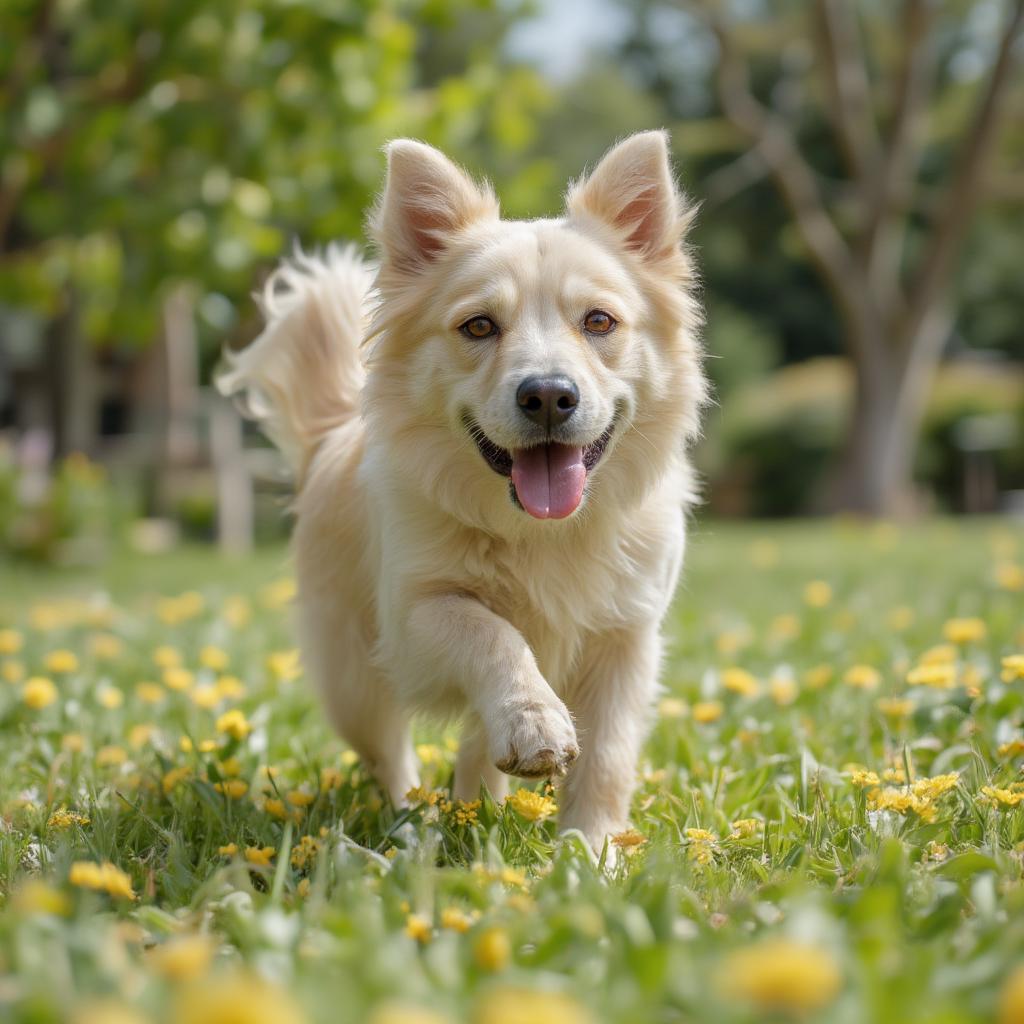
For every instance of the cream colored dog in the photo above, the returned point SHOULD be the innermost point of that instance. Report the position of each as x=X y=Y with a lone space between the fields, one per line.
x=489 y=433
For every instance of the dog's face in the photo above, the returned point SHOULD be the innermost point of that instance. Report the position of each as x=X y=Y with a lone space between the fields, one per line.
x=526 y=358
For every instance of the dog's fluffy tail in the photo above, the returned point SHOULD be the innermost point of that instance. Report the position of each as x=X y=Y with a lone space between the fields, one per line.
x=302 y=376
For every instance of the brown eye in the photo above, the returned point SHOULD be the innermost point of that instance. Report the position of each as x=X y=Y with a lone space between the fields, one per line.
x=597 y=321
x=479 y=328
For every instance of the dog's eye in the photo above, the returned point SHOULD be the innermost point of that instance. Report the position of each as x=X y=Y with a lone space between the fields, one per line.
x=597 y=321
x=479 y=327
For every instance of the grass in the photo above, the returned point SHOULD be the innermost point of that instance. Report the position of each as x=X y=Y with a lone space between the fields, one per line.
x=810 y=842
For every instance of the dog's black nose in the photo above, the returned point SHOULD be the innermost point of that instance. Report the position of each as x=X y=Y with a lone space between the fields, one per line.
x=548 y=400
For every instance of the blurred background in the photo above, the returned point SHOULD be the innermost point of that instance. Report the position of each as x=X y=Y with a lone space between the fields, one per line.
x=860 y=168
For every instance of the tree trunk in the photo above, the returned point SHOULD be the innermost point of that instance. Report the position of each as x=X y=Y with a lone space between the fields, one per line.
x=891 y=387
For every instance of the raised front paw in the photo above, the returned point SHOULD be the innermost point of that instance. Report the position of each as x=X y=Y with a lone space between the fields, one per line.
x=534 y=739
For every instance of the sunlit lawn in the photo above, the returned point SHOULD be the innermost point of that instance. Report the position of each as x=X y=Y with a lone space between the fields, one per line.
x=827 y=828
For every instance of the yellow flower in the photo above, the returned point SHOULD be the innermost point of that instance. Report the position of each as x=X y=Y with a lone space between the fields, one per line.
x=234 y=788
x=707 y=711
x=429 y=753
x=237 y=611
x=300 y=798
x=38 y=692
x=783 y=689
x=106 y=646
x=234 y=723
x=178 y=679
x=1011 y=998
x=532 y=806
x=104 y=877
x=106 y=1011
x=206 y=696
x=230 y=687
x=150 y=693
x=166 y=657
x=419 y=928
x=785 y=627
x=936 y=851
x=492 y=950
x=740 y=681
x=746 y=828
x=863 y=778
x=305 y=852
x=672 y=707
x=330 y=778
x=818 y=677
x=260 y=855
x=938 y=675
x=183 y=958
x=230 y=767
x=964 y=631
x=110 y=697
x=213 y=658
x=902 y=801
x=895 y=707
x=465 y=812
x=1013 y=748
x=508 y=1005
x=941 y=654
x=1013 y=667
x=817 y=594
x=139 y=735
x=62 y=818
x=1006 y=797
x=862 y=677
x=73 y=742
x=12 y=671
x=174 y=777
x=730 y=641
x=236 y=999
x=934 y=787
x=61 y=662
x=781 y=975
x=629 y=841
x=1009 y=576
x=284 y=665
x=701 y=846
x=456 y=920
x=11 y=641
x=228 y=851
x=36 y=897
x=111 y=756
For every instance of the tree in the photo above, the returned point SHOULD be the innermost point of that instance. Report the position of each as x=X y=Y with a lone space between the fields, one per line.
x=886 y=262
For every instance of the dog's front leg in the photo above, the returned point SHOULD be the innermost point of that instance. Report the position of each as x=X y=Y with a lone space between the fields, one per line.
x=454 y=640
x=612 y=702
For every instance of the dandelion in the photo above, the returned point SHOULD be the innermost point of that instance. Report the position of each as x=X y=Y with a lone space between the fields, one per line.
x=781 y=975
x=11 y=641
x=941 y=654
x=205 y=696
x=278 y=594
x=862 y=677
x=230 y=687
x=183 y=958
x=284 y=665
x=532 y=806
x=1013 y=748
x=61 y=662
x=707 y=711
x=783 y=689
x=701 y=845
x=111 y=756
x=106 y=646
x=629 y=841
x=230 y=766
x=746 y=828
x=964 y=631
x=934 y=787
x=1012 y=668
x=672 y=707
x=62 y=819
x=862 y=778
x=1006 y=797
x=817 y=594
x=300 y=797
x=1009 y=576
x=305 y=852
x=174 y=778
x=166 y=657
x=235 y=724
x=937 y=675
x=492 y=950
x=104 y=877
x=260 y=856
x=738 y=680
x=234 y=788
x=901 y=801
x=150 y=693
x=38 y=692
x=457 y=920
x=36 y=897
x=330 y=778
x=228 y=851
x=235 y=999
x=110 y=697
x=213 y=658
x=895 y=708
x=237 y=611
x=528 y=1006
x=419 y=928
x=179 y=679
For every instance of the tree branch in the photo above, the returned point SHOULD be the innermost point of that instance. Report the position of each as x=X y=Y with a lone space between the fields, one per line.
x=962 y=195
x=849 y=91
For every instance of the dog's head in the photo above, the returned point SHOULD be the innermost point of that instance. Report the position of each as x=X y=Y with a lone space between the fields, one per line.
x=521 y=367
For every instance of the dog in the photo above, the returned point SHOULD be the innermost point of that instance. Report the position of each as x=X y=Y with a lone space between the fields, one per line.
x=490 y=430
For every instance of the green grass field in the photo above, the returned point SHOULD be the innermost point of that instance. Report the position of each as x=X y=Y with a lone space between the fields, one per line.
x=830 y=823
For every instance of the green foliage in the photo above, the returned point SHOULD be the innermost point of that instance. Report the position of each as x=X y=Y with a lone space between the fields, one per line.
x=857 y=912
x=179 y=140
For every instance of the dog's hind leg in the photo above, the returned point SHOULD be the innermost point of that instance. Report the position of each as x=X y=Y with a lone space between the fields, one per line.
x=359 y=702
x=473 y=766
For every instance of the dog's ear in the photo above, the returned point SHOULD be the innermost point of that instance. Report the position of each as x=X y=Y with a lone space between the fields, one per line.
x=633 y=191
x=426 y=199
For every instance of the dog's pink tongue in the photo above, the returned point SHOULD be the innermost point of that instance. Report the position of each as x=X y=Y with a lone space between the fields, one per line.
x=549 y=479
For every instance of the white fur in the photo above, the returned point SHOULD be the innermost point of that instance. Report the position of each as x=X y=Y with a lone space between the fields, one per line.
x=421 y=585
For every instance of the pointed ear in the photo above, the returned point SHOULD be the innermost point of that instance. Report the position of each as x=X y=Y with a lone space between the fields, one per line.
x=633 y=191
x=426 y=199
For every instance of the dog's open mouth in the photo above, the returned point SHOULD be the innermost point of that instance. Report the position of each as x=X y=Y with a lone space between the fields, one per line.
x=547 y=479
